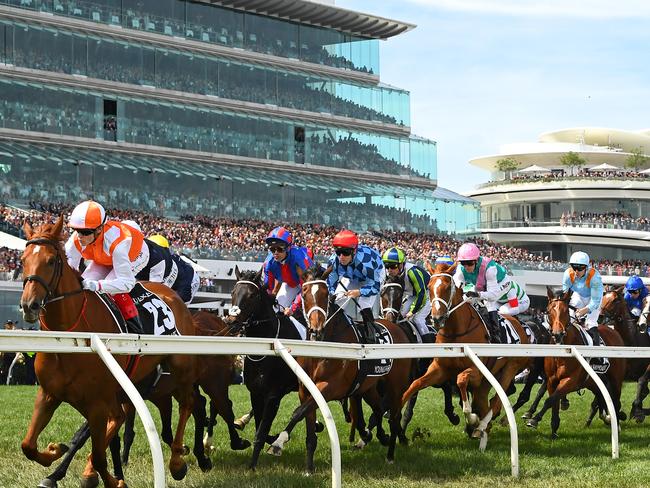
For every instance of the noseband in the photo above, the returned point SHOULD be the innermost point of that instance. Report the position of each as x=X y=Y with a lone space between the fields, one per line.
x=386 y=310
x=315 y=308
x=50 y=287
x=446 y=303
x=235 y=311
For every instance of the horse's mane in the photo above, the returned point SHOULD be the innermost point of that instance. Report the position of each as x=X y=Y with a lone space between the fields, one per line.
x=558 y=293
x=395 y=279
x=250 y=275
x=315 y=271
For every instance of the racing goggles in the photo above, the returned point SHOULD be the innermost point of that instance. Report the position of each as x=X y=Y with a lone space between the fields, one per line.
x=578 y=267
x=277 y=249
x=85 y=232
x=344 y=251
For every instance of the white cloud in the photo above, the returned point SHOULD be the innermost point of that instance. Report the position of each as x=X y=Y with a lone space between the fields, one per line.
x=595 y=9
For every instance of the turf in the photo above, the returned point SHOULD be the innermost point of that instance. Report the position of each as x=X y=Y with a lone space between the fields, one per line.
x=441 y=455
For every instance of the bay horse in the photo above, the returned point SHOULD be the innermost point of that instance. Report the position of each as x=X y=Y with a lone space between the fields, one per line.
x=268 y=378
x=614 y=310
x=339 y=379
x=52 y=294
x=458 y=322
x=391 y=295
x=566 y=375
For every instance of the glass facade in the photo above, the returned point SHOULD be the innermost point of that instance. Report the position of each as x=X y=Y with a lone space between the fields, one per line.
x=42 y=108
x=62 y=51
x=31 y=172
x=227 y=27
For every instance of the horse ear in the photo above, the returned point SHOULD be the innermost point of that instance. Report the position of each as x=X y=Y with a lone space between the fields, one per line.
x=27 y=229
x=327 y=272
x=237 y=273
x=452 y=269
x=567 y=296
x=258 y=276
x=620 y=290
x=429 y=267
x=549 y=292
x=58 y=227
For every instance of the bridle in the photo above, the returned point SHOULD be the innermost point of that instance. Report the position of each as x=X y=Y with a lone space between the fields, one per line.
x=52 y=286
x=620 y=316
x=315 y=308
x=235 y=311
x=446 y=303
x=386 y=310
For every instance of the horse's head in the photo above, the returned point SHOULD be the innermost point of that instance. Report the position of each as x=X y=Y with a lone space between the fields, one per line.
x=247 y=298
x=391 y=297
x=558 y=313
x=315 y=298
x=442 y=291
x=613 y=308
x=43 y=262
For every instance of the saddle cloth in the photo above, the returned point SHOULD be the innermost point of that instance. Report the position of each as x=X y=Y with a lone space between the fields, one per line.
x=376 y=367
x=156 y=316
x=586 y=338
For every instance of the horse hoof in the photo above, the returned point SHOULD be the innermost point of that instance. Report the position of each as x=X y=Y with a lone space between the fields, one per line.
x=554 y=436
x=532 y=423
x=472 y=419
x=48 y=483
x=454 y=419
x=564 y=404
x=240 y=445
x=622 y=416
x=476 y=434
x=527 y=415
x=390 y=461
x=403 y=440
x=186 y=450
x=91 y=482
x=366 y=437
x=319 y=427
x=205 y=464
x=274 y=451
x=639 y=418
x=360 y=445
x=384 y=439
x=179 y=474
x=607 y=420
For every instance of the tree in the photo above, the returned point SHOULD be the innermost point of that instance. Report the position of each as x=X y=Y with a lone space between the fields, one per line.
x=636 y=159
x=508 y=165
x=572 y=159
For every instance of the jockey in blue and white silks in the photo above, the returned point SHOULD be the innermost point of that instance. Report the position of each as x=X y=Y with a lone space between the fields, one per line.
x=635 y=292
x=587 y=286
x=357 y=274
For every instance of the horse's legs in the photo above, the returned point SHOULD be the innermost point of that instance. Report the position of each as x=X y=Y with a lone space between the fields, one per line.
x=102 y=429
x=408 y=412
x=434 y=376
x=221 y=404
x=463 y=380
x=129 y=434
x=78 y=440
x=44 y=407
x=210 y=422
x=114 y=446
x=448 y=392
x=556 y=391
x=538 y=398
x=199 y=426
x=185 y=397
x=555 y=419
x=524 y=396
x=641 y=392
x=271 y=406
x=595 y=407
x=311 y=440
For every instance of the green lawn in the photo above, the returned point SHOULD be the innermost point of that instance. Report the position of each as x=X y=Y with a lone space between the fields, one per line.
x=442 y=456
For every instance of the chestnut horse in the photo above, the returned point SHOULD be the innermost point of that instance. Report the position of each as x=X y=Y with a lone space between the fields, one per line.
x=458 y=322
x=338 y=379
x=53 y=295
x=565 y=375
x=614 y=310
x=391 y=296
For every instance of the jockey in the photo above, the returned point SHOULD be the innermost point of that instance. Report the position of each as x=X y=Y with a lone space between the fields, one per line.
x=364 y=269
x=416 y=305
x=284 y=267
x=587 y=287
x=491 y=282
x=635 y=293
x=170 y=269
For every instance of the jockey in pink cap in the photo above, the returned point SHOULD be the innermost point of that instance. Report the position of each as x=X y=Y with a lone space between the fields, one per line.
x=489 y=281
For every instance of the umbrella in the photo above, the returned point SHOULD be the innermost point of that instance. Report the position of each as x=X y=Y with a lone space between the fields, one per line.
x=603 y=167
x=534 y=169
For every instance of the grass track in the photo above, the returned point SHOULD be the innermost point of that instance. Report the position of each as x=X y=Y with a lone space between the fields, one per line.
x=443 y=456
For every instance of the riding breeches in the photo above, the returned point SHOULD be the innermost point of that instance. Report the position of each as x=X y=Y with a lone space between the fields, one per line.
x=578 y=301
x=522 y=306
x=349 y=307
x=286 y=295
x=419 y=318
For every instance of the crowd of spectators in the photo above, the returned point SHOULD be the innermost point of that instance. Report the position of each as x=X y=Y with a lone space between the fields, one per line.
x=201 y=236
x=607 y=220
x=563 y=174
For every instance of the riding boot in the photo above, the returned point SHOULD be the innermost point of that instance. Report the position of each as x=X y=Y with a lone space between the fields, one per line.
x=368 y=329
x=496 y=331
x=428 y=338
x=134 y=326
x=423 y=363
x=595 y=336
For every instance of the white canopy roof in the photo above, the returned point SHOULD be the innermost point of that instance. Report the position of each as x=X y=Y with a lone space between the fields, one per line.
x=535 y=169
x=604 y=166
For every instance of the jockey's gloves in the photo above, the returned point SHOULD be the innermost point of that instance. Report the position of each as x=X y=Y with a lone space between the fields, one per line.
x=91 y=285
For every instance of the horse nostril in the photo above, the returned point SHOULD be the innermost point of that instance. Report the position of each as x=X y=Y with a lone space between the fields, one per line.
x=34 y=306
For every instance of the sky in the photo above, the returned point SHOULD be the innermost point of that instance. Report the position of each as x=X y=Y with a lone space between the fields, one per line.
x=483 y=73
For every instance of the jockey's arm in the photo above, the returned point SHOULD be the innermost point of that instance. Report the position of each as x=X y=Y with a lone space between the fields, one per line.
x=124 y=280
x=459 y=277
x=596 y=287
x=494 y=289
x=566 y=281
x=72 y=253
x=371 y=285
x=419 y=289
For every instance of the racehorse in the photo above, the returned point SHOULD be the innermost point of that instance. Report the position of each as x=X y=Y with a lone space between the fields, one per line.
x=52 y=294
x=339 y=379
x=566 y=375
x=614 y=310
x=268 y=378
x=391 y=296
x=458 y=321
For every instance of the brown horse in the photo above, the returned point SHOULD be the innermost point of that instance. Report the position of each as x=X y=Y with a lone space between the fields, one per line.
x=565 y=375
x=53 y=295
x=338 y=379
x=614 y=310
x=459 y=322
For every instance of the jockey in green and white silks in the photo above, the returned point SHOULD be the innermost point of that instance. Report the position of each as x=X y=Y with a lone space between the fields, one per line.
x=416 y=305
x=491 y=282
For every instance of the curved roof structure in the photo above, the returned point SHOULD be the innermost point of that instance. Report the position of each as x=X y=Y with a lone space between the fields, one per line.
x=600 y=136
x=318 y=14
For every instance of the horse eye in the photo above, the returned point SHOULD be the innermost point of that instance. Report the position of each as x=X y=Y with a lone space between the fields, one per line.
x=50 y=262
